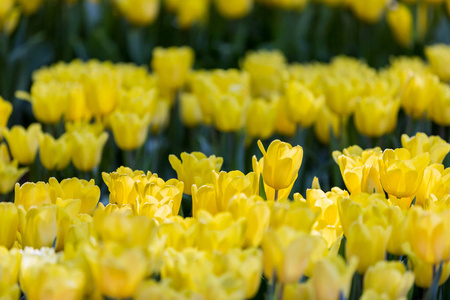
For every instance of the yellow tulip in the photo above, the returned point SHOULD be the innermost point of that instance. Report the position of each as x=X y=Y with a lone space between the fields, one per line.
x=398 y=219
x=376 y=116
x=172 y=66
x=9 y=265
x=161 y=117
x=76 y=109
x=190 y=110
x=32 y=194
x=129 y=130
x=190 y=12
x=87 y=149
x=160 y=290
x=421 y=143
x=369 y=11
x=101 y=90
x=326 y=122
x=54 y=154
x=281 y=164
x=424 y=273
x=29 y=7
x=267 y=70
x=286 y=254
x=228 y=185
x=5 y=109
x=38 y=226
x=359 y=169
x=389 y=279
x=400 y=174
x=234 y=9
x=56 y=281
x=261 y=118
x=439 y=57
x=427 y=232
x=74 y=188
x=139 y=12
x=195 y=168
x=203 y=198
x=400 y=21
x=9 y=220
x=283 y=124
x=33 y=261
x=220 y=232
x=341 y=95
x=299 y=291
x=367 y=243
x=159 y=192
x=440 y=107
x=5 y=7
x=228 y=113
x=117 y=270
x=418 y=94
x=9 y=175
x=294 y=214
x=9 y=292
x=332 y=277
x=303 y=106
x=23 y=143
x=434 y=184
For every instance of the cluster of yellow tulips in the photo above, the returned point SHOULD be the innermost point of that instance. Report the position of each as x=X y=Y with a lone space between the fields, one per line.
x=266 y=97
x=388 y=234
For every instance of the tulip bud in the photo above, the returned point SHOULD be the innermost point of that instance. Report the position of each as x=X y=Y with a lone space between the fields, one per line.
x=87 y=149
x=190 y=110
x=54 y=154
x=129 y=130
x=400 y=20
x=23 y=143
x=418 y=94
x=261 y=118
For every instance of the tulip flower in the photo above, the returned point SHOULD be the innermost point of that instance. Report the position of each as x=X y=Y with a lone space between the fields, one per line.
x=370 y=11
x=332 y=278
x=367 y=243
x=190 y=110
x=235 y=9
x=440 y=107
x=87 y=149
x=38 y=226
x=228 y=113
x=327 y=122
x=129 y=130
x=204 y=198
x=9 y=224
x=261 y=118
x=286 y=254
x=281 y=164
x=190 y=12
x=195 y=168
x=389 y=279
x=5 y=109
x=400 y=174
x=400 y=21
x=23 y=143
x=54 y=154
x=421 y=143
x=32 y=194
x=9 y=175
x=139 y=12
x=101 y=90
x=439 y=58
x=418 y=94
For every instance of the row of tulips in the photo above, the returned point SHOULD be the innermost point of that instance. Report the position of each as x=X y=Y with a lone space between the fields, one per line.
x=238 y=236
x=79 y=104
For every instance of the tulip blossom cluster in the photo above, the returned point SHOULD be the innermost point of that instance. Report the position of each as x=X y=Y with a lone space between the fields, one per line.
x=390 y=228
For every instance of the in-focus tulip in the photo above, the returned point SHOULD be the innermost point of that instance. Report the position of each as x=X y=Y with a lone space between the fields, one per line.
x=286 y=254
x=421 y=143
x=376 y=116
x=54 y=153
x=439 y=57
x=281 y=164
x=400 y=174
x=5 y=110
x=74 y=188
x=129 y=130
x=32 y=194
x=400 y=21
x=234 y=9
x=9 y=224
x=195 y=168
x=139 y=12
x=389 y=279
x=367 y=243
x=332 y=278
x=418 y=94
x=87 y=149
x=23 y=143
